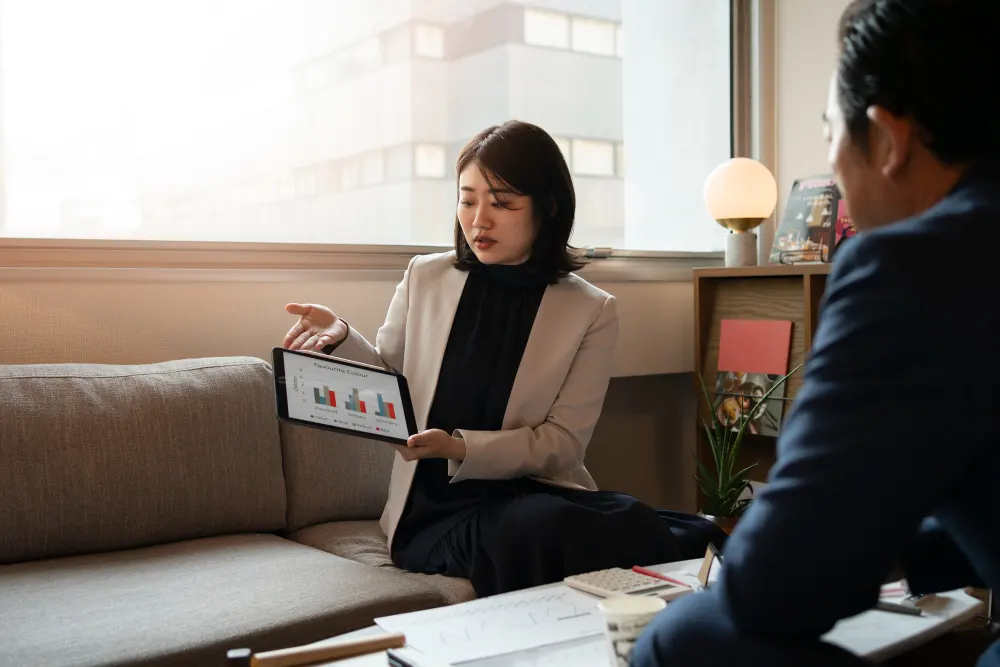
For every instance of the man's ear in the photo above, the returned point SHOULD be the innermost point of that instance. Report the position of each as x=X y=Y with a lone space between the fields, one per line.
x=889 y=140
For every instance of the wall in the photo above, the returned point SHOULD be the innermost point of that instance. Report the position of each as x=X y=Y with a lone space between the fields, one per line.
x=806 y=58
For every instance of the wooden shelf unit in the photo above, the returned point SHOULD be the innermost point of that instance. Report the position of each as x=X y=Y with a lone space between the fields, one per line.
x=774 y=292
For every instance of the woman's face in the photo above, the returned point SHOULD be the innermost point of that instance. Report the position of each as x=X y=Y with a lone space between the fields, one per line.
x=500 y=226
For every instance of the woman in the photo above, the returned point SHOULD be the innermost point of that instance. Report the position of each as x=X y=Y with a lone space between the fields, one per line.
x=508 y=355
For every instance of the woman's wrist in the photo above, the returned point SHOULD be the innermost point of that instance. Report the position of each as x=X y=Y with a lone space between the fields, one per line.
x=459 y=448
x=330 y=347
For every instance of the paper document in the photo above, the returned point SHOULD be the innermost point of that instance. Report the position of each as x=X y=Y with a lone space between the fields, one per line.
x=589 y=652
x=499 y=625
x=878 y=635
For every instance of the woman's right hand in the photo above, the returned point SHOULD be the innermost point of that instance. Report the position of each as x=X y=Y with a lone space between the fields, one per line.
x=317 y=327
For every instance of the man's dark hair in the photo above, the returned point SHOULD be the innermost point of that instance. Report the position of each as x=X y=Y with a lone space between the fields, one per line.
x=935 y=61
x=524 y=158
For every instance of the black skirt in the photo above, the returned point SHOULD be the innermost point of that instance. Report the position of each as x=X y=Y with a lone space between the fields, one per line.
x=525 y=533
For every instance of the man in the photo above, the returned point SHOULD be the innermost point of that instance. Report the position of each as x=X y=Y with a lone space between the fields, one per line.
x=890 y=453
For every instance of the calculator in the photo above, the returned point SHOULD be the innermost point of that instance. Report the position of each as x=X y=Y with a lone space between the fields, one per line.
x=619 y=581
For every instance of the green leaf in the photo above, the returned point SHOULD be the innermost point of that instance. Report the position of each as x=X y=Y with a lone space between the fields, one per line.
x=713 y=447
x=708 y=399
x=768 y=393
x=746 y=471
x=721 y=489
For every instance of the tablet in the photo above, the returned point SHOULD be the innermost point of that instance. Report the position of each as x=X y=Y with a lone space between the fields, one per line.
x=334 y=394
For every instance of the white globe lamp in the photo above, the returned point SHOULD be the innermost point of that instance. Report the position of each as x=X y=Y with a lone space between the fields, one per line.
x=740 y=194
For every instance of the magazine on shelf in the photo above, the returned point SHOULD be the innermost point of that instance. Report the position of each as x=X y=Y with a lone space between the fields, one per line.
x=753 y=356
x=815 y=221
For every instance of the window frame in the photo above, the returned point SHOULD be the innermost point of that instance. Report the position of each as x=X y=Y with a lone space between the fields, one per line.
x=752 y=132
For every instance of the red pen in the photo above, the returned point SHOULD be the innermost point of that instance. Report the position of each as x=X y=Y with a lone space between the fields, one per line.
x=653 y=573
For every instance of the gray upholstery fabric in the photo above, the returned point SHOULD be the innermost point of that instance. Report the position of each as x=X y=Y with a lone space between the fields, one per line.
x=332 y=477
x=101 y=457
x=364 y=542
x=187 y=603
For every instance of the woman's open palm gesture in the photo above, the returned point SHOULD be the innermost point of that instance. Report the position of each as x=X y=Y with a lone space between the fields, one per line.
x=317 y=327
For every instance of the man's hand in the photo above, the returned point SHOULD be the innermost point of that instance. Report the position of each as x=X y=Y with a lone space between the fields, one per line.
x=432 y=444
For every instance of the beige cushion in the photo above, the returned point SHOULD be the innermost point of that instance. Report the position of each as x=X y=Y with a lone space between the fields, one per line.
x=100 y=457
x=364 y=542
x=188 y=603
x=332 y=477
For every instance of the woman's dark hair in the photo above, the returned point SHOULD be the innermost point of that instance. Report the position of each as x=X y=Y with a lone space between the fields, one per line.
x=930 y=60
x=524 y=158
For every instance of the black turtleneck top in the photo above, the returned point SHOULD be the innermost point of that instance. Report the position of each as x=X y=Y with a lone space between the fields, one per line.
x=490 y=332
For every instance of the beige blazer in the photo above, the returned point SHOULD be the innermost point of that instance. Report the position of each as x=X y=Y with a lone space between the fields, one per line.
x=558 y=391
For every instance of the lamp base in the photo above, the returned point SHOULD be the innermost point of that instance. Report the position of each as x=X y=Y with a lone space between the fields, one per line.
x=741 y=249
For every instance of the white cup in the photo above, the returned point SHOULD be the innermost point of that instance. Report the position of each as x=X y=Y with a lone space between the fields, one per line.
x=625 y=617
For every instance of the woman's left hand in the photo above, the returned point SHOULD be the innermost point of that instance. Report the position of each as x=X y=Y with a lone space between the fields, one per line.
x=432 y=444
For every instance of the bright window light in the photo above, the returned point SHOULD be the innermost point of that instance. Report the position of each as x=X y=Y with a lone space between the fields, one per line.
x=428 y=41
x=546 y=29
x=593 y=158
x=563 y=144
x=592 y=36
x=429 y=161
x=350 y=175
x=293 y=120
x=373 y=168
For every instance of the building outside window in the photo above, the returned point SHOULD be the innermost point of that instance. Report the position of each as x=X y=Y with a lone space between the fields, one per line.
x=339 y=122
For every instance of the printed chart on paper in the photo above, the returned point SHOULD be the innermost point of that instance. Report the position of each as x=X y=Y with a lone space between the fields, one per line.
x=499 y=625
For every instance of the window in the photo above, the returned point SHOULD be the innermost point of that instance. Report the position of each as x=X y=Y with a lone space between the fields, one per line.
x=350 y=175
x=399 y=164
x=564 y=144
x=428 y=41
x=305 y=183
x=546 y=29
x=373 y=168
x=327 y=180
x=593 y=158
x=429 y=160
x=309 y=121
x=366 y=54
x=591 y=36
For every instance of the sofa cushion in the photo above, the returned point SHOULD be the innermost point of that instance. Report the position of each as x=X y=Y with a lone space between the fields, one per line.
x=333 y=477
x=364 y=542
x=188 y=603
x=100 y=457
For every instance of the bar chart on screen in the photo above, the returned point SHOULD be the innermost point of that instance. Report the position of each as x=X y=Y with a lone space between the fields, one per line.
x=343 y=397
x=323 y=395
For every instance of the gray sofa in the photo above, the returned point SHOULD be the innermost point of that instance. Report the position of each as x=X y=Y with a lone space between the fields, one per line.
x=160 y=514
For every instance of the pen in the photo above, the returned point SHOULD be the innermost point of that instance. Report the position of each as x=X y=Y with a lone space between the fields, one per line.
x=898 y=608
x=395 y=660
x=653 y=573
x=398 y=657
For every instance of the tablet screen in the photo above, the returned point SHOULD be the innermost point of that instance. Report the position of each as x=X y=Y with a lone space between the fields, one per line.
x=333 y=394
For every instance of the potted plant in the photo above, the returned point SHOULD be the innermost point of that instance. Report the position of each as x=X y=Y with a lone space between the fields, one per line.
x=721 y=489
